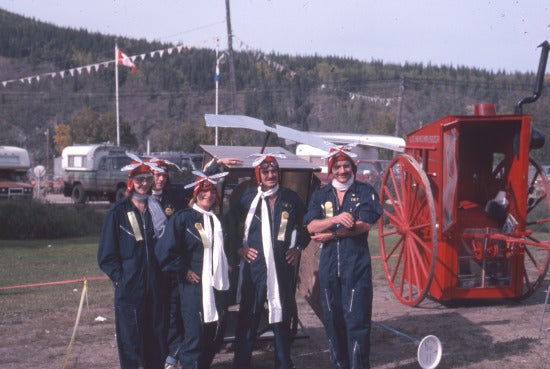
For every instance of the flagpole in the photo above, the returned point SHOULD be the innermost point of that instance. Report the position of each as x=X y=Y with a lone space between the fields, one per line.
x=116 y=96
x=217 y=79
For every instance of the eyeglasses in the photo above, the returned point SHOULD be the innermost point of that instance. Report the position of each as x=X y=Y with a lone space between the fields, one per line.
x=143 y=178
x=267 y=164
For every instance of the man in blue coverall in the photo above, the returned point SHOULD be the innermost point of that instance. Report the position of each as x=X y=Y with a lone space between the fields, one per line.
x=126 y=254
x=340 y=215
x=273 y=237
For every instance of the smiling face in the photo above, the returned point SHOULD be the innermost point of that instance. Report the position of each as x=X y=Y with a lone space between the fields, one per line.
x=269 y=177
x=206 y=199
x=342 y=170
x=142 y=183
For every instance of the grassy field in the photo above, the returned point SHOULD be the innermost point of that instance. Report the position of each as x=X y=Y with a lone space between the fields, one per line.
x=39 y=261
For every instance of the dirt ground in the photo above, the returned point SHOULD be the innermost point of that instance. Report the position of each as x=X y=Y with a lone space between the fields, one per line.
x=492 y=335
x=476 y=334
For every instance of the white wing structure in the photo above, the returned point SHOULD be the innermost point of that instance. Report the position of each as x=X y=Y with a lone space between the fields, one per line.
x=321 y=140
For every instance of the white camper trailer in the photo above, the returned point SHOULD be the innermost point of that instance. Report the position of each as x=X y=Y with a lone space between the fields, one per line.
x=93 y=172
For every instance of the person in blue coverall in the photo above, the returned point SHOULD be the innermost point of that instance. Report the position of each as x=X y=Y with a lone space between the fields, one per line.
x=126 y=254
x=174 y=197
x=193 y=247
x=340 y=215
x=273 y=237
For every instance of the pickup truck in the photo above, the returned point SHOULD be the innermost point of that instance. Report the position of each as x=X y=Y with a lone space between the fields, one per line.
x=92 y=172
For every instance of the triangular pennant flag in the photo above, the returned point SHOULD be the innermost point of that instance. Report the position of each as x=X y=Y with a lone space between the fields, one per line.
x=179 y=48
x=62 y=74
x=96 y=67
x=72 y=72
x=169 y=51
x=142 y=56
x=161 y=52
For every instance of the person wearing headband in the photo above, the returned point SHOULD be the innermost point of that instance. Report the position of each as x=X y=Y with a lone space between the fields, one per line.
x=174 y=197
x=126 y=254
x=269 y=252
x=339 y=216
x=193 y=247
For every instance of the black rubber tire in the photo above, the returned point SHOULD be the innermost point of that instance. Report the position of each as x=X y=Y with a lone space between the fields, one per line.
x=78 y=194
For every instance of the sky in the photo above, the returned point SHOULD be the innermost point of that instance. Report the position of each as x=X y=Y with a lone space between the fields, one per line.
x=488 y=34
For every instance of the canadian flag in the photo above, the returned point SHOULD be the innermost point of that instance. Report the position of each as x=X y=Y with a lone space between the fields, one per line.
x=123 y=59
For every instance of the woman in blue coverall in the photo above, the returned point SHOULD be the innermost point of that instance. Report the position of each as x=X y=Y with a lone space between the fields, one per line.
x=126 y=255
x=340 y=215
x=193 y=247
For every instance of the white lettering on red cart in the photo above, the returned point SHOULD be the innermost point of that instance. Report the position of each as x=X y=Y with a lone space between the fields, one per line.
x=425 y=139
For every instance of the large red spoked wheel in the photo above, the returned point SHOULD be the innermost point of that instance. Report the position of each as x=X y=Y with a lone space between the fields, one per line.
x=407 y=230
x=536 y=259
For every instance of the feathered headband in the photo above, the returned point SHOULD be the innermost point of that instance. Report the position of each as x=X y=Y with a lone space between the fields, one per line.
x=137 y=162
x=341 y=153
x=204 y=182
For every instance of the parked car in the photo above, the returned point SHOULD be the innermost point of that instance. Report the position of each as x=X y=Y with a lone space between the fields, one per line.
x=14 y=164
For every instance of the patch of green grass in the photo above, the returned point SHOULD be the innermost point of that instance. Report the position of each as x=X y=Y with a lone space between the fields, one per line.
x=38 y=261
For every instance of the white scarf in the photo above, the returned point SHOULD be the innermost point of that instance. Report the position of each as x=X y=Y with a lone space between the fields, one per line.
x=339 y=186
x=273 y=296
x=157 y=215
x=214 y=265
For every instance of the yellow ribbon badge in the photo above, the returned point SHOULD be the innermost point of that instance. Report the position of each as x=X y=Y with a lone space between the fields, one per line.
x=135 y=225
x=329 y=213
x=202 y=233
x=282 y=226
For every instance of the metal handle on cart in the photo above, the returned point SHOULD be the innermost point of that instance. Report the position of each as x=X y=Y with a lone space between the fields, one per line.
x=429 y=348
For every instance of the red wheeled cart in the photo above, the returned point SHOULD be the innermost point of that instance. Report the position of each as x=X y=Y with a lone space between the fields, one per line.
x=466 y=210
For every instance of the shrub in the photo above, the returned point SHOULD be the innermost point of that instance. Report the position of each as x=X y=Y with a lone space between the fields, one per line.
x=32 y=219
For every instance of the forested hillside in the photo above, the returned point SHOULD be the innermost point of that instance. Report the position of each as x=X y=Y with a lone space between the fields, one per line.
x=166 y=101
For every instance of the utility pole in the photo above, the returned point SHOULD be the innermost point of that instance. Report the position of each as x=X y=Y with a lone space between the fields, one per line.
x=47 y=134
x=399 y=106
x=231 y=65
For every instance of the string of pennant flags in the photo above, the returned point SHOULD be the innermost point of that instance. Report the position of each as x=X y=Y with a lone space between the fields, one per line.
x=128 y=61
x=122 y=59
x=262 y=56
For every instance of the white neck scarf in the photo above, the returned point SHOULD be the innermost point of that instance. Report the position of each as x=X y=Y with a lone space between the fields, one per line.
x=273 y=296
x=214 y=265
x=157 y=192
x=339 y=186
x=157 y=214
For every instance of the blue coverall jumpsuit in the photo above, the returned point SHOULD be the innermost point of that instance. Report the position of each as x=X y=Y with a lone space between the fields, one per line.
x=253 y=288
x=173 y=198
x=180 y=249
x=139 y=292
x=176 y=197
x=345 y=276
